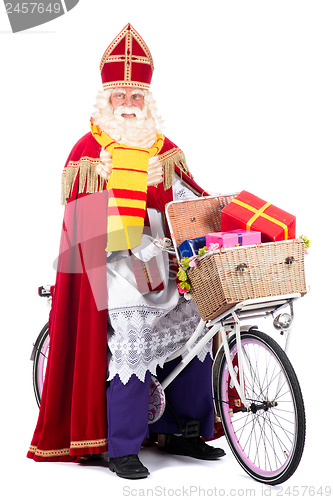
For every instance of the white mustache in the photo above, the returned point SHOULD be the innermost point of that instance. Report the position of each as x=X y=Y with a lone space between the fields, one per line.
x=125 y=110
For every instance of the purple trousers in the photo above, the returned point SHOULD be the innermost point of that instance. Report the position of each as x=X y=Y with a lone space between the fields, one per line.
x=190 y=395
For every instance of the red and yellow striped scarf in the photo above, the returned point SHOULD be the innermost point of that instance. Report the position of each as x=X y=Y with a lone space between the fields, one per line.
x=127 y=190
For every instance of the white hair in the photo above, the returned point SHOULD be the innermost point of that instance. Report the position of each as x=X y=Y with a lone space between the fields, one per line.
x=140 y=131
x=133 y=91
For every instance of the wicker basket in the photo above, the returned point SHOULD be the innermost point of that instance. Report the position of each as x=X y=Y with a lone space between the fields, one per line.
x=223 y=279
x=226 y=277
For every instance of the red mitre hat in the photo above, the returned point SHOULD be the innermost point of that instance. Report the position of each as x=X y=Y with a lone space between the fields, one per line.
x=127 y=62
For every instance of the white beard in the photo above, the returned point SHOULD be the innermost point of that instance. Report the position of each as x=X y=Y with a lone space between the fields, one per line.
x=135 y=132
x=139 y=131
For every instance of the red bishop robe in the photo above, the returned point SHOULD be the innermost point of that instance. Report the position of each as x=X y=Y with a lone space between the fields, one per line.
x=72 y=418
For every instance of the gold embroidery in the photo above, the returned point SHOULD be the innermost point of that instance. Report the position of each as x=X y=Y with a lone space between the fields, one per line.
x=66 y=451
x=84 y=158
x=169 y=153
x=106 y=57
x=84 y=444
x=128 y=57
x=139 y=59
x=120 y=83
x=49 y=453
x=146 y=272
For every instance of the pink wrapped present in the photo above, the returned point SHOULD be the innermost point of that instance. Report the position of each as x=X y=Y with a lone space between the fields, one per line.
x=226 y=239
x=229 y=239
x=246 y=237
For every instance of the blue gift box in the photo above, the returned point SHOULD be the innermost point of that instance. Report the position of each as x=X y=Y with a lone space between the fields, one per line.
x=191 y=247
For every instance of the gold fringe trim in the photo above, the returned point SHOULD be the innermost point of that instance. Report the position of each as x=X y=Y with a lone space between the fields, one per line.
x=173 y=157
x=86 y=169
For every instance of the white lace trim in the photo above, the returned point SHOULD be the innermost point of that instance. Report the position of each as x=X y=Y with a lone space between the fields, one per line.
x=142 y=338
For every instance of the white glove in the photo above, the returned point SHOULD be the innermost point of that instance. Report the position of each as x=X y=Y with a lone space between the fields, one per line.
x=147 y=249
x=155 y=171
x=104 y=166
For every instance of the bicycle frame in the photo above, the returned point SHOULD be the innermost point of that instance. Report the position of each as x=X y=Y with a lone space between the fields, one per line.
x=229 y=324
x=226 y=323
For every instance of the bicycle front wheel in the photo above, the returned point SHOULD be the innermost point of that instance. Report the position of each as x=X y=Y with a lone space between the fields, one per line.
x=40 y=354
x=268 y=439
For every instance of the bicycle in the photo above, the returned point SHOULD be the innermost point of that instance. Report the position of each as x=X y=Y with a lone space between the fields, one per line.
x=256 y=391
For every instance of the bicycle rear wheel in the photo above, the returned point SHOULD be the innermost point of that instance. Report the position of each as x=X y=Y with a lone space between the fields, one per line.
x=39 y=358
x=267 y=440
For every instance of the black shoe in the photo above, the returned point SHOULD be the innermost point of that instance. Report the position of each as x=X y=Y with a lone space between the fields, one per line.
x=191 y=447
x=128 y=467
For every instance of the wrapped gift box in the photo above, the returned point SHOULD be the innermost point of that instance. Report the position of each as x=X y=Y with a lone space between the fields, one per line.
x=229 y=239
x=225 y=240
x=247 y=211
x=191 y=247
x=246 y=237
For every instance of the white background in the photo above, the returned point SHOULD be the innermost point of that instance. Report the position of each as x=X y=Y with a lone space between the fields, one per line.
x=245 y=89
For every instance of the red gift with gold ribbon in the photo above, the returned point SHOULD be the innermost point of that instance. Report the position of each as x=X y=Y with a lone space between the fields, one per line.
x=247 y=211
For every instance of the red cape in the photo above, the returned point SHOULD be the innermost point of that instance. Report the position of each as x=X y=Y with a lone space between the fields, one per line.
x=72 y=417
